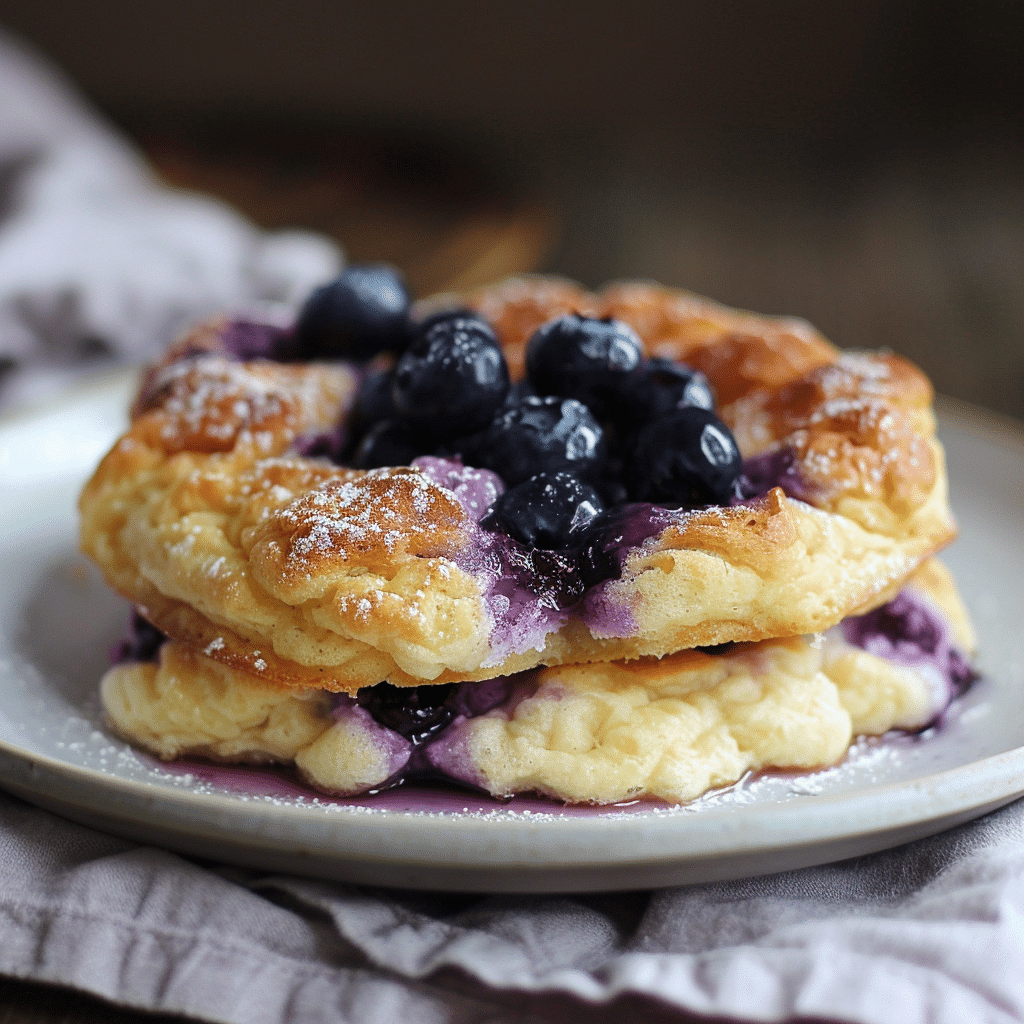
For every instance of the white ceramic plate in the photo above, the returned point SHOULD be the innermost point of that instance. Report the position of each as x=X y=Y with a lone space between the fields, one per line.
x=58 y=622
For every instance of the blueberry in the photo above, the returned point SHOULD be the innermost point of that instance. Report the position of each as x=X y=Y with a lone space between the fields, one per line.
x=141 y=644
x=453 y=377
x=657 y=387
x=584 y=358
x=685 y=459
x=520 y=390
x=373 y=402
x=390 y=443
x=416 y=712
x=612 y=489
x=355 y=316
x=539 y=435
x=544 y=511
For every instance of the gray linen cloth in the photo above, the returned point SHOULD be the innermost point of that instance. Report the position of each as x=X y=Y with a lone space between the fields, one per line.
x=92 y=249
x=96 y=256
x=930 y=932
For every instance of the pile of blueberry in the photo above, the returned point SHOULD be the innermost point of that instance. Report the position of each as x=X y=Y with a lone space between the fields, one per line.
x=594 y=425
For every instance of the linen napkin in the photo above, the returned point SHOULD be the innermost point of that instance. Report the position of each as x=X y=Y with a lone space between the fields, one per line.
x=97 y=258
x=930 y=932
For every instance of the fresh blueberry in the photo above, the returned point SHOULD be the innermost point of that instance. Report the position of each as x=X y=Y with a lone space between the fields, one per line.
x=584 y=358
x=544 y=511
x=355 y=316
x=657 y=387
x=685 y=459
x=539 y=435
x=612 y=489
x=453 y=377
x=390 y=443
x=602 y=548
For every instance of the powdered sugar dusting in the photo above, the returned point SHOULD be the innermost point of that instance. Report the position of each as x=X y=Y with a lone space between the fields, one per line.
x=386 y=511
x=213 y=395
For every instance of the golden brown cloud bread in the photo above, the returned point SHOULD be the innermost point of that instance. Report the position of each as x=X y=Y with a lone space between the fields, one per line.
x=207 y=515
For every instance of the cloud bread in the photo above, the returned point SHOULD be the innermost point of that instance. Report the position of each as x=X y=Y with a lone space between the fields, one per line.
x=211 y=516
x=668 y=728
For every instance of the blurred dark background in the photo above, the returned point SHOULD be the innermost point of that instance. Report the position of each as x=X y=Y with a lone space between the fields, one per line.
x=859 y=164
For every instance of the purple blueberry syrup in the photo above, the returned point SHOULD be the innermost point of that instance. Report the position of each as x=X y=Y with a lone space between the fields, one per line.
x=246 y=339
x=531 y=591
x=773 y=469
x=413 y=712
x=141 y=644
x=420 y=712
x=613 y=536
x=474 y=489
x=406 y=722
x=908 y=632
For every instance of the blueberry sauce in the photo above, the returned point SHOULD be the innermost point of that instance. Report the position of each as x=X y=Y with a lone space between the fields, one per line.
x=613 y=536
x=405 y=722
x=141 y=644
x=528 y=592
x=246 y=339
x=773 y=469
x=415 y=712
x=908 y=632
x=419 y=712
x=474 y=489
x=531 y=592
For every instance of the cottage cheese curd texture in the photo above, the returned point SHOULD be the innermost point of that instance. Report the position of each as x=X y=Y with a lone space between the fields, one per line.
x=668 y=728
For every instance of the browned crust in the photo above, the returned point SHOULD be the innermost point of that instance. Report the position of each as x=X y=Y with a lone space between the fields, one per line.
x=360 y=564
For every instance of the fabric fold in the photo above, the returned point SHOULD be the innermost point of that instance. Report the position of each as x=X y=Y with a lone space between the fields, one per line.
x=97 y=256
x=933 y=931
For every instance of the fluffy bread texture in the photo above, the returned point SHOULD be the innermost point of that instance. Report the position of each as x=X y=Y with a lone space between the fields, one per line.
x=668 y=729
x=309 y=574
